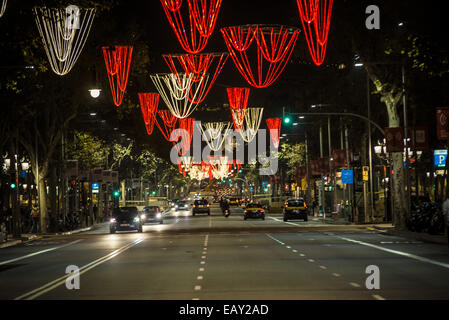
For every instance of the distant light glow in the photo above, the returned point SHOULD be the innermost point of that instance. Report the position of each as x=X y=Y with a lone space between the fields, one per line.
x=95 y=93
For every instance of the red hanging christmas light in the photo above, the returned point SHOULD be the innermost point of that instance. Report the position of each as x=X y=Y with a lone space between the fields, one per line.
x=315 y=19
x=198 y=66
x=186 y=133
x=202 y=16
x=238 y=102
x=274 y=125
x=169 y=123
x=118 y=62
x=149 y=103
x=275 y=45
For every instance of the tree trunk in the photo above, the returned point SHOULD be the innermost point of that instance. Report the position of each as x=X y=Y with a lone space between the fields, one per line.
x=43 y=204
x=53 y=216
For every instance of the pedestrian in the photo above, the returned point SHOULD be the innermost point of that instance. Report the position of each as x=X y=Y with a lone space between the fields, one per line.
x=95 y=210
x=35 y=215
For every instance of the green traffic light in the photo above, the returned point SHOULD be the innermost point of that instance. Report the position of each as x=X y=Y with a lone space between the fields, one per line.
x=13 y=185
x=116 y=193
x=287 y=120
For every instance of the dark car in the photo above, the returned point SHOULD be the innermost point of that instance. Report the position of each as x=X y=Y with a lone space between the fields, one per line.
x=295 y=209
x=182 y=206
x=201 y=206
x=152 y=214
x=254 y=211
x=125 y=219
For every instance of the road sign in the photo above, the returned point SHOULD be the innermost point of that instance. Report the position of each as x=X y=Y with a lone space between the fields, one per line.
x=440 y=157
x=365 y=173
x=347 y=176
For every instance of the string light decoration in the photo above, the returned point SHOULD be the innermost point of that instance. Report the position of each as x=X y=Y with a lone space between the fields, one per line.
x=198 y=66
x=185 y=165
x=149 y=103
x=315 y=18
x=64 y=33
x=215 y=134
x=186 y=136
x=175 y=90
x=168 y=123
x=275 y=45
x=274 y=125
x=202 y=17
x=238 y=102
x=251 y=125
x=3 y=8
x=118 y=63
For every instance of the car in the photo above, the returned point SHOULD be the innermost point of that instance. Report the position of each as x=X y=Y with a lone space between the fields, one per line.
x=125 y=219
x=152 y=214
x=201 y=206
x=234 y=202
x=254 y=211
x=296 y=209
x=182 y=206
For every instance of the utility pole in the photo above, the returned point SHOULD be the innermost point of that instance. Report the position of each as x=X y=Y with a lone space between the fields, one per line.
x=370 y=149
x=407 y=158
x=348 y=167
x=309 y=195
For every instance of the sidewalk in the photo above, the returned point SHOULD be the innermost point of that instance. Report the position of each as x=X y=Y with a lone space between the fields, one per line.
x=420 y=236
x=25 y=237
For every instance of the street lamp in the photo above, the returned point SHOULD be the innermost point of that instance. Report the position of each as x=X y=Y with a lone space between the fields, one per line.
x=95 y=93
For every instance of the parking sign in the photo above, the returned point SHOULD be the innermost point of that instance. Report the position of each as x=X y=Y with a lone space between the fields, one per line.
x=440 y=157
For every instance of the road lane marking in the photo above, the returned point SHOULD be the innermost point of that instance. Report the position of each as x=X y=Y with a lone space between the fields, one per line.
x=203 y=257
x=323 y=267
x=355 y=285
x=377 y=297
x=39 y=252
x=311 y=260
x=401 y=253
x=60 y=281
x=201 y=269
x=336 y=275
x=197 y=288
x=199 y=278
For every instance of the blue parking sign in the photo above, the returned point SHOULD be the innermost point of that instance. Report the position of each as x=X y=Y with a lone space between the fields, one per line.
x=440 y=157
x=347 y=176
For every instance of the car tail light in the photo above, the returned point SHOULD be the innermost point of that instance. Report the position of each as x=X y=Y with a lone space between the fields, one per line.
x=208 y=206
x=194 y=206
x=246 y=211
x=262 y=210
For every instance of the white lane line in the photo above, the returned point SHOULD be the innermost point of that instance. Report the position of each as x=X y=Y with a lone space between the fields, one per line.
x=197 y=288
x=201 y=269
x=355 y=285
x=199 y=278
x=203 y=262
x=302 y=255
x=311 y=260
x=195 y=299
x=336 y=275
x=60 y=281
x=323 y=267
x=39 y=252
x=377 y=297
x=203 y=257
x=404 y=254
x=291 y=223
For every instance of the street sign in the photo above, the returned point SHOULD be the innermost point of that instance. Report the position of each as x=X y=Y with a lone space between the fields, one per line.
x=95 y=188
x=347 y=176
x=440 y=157
x=365 y=173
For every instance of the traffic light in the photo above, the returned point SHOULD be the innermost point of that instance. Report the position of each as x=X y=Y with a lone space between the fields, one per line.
x=13 y=185
x=241 y=171
x=116 y=193
x=287 y=119
x=153 y=193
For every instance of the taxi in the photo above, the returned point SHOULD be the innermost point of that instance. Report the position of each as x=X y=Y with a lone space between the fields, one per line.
x=295 y=209
x=234 y=202
x=255 y=211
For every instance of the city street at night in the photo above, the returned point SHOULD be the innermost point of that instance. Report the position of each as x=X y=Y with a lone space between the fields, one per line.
x=218 y=258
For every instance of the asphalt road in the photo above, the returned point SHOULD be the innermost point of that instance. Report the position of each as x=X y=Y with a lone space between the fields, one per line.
x=211 y=257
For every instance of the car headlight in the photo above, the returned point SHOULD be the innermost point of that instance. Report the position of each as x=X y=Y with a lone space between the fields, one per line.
x=143 y=216
x=136 y=219
x=176 y=207
x=158 y=215
x=112 y=220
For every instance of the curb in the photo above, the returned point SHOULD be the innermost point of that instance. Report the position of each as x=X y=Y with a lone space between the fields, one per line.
x=412 y=235
x=11 y=243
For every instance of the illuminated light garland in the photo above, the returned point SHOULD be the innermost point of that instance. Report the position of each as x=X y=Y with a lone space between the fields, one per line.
x=175 y=90
x=202 y=17
x=275 y=45
x=186 y=133
x=315 y=18
x=185 y=165
x=3 y=8
x=215 y=134
x=118 y=63
x=251 y=125
x=238 y=102
x=198 y=66
x=149 y=103
x=62 y=38
x=274 y=125
x=168 y=123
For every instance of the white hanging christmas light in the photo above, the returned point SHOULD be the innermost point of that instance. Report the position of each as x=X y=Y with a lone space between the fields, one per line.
x=64 y=33
x=253 y=119
x=215 y=134
x=175 y=90
x=3 y=8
